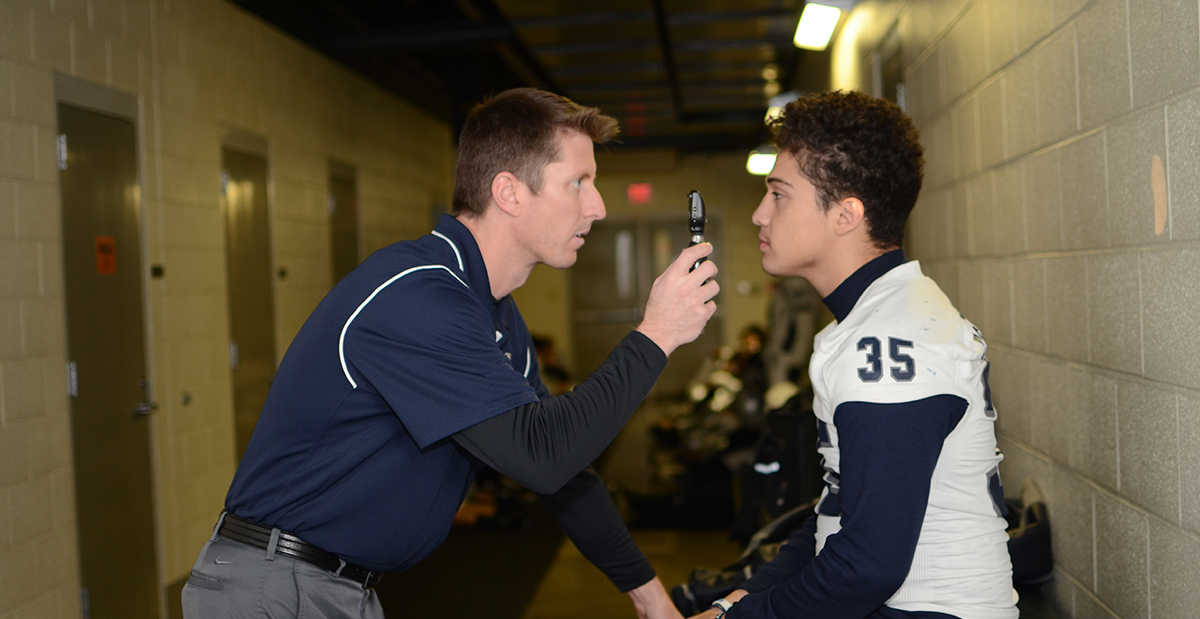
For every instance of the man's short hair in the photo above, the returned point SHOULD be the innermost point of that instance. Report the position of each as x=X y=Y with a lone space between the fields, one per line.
x=517 y=131
x=851 y=145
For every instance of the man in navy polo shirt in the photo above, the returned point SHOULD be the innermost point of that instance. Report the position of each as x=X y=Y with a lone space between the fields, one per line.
x=417 y=369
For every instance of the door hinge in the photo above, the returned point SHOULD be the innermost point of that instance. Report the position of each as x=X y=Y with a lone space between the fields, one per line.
x=233 y=355
x=62 y=151
x=225 y=176
x=72 y=380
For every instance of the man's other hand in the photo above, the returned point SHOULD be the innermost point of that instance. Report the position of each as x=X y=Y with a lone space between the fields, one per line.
x=652 y=602
x=681 y=302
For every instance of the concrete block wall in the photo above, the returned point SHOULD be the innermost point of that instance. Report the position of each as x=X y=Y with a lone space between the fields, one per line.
x=1044 y=123
x=199 y=69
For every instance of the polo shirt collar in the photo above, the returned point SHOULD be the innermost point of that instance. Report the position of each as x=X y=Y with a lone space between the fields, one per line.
x=472 y=258
x=843 y=298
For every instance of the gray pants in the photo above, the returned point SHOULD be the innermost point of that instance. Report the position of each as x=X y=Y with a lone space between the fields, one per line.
x=232 y=580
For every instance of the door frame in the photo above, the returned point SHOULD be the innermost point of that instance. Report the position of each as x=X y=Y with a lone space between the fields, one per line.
x=86 y=95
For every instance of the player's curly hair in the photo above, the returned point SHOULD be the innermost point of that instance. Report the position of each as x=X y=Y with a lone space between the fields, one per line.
x=517 y=131
x=848 y=144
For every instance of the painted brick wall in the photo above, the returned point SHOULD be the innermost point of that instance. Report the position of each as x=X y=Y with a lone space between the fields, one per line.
x=198 y=67
x=1042 y=122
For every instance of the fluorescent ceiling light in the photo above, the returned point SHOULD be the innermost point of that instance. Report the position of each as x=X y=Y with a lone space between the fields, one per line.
x=760 y=163
x=776 y=104
x=816 y=26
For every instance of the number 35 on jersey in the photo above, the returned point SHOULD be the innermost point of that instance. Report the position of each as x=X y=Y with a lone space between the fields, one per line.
x=900 y=365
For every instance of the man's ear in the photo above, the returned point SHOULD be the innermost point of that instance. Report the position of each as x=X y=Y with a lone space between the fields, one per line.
x=504 y=193
x=851 y=214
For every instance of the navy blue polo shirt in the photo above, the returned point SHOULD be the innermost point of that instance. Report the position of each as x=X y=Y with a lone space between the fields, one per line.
x=352 y=450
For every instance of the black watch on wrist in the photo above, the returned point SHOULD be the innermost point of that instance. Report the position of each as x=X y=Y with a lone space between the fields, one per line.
x=722 y=605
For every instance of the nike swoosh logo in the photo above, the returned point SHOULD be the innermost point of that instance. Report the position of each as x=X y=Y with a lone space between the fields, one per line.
x=218 y=561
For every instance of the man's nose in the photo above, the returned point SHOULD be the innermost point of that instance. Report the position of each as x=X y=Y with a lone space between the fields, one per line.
x=596 y=208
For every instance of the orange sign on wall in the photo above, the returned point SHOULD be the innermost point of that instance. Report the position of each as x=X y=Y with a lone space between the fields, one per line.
x=106 y=255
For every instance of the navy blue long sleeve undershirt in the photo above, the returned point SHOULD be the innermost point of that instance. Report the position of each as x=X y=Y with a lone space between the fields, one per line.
x=888 y=453
x=546 y=445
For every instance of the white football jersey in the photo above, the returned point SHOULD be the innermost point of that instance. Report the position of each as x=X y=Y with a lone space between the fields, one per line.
x=904 y=341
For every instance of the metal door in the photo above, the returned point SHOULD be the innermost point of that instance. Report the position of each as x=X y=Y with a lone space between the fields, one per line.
x=251 y=300
x=343 y=220
x=610 y=283
x=606 y=296
x=102 y=271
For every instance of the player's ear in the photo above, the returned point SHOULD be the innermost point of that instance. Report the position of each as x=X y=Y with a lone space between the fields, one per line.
x=505 y=193
x=850 y=214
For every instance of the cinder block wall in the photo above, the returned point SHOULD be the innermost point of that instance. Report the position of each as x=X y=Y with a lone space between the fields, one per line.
x=1043 y=122
x=198 y=67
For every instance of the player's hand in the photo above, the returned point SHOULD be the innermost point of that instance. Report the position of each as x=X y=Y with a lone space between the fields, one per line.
x=652 y=602
x=680 y=302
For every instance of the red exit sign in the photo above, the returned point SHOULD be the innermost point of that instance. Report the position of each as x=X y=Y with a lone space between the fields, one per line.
x=640 y=193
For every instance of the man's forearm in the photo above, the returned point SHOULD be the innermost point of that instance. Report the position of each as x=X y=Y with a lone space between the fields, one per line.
x=587 y=515
x=543 y=444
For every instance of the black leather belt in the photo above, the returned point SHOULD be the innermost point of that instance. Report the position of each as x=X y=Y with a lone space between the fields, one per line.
x=254 y=534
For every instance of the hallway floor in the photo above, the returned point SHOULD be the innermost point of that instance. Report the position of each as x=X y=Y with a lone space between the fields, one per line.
x=574 y=588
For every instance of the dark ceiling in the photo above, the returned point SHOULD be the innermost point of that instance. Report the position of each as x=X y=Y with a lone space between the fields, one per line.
x=688 y=74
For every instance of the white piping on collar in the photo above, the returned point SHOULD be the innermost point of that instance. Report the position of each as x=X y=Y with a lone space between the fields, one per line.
x=528 y=362
x=452 y=246
x=346 y=327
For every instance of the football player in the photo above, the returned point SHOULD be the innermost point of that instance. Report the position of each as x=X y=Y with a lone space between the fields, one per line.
x=910 y=523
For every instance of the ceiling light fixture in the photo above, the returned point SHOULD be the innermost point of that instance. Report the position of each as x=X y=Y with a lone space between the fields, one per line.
x=817 y=23
x=776 y=104
x=761 y=161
